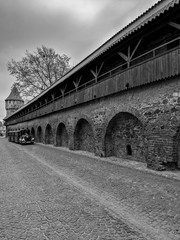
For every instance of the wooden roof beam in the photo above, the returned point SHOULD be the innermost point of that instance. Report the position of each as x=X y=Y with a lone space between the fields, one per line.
x=175 y=25
x=136 y=47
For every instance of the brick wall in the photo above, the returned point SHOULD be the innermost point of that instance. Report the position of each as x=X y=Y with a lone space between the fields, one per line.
x=141 y=123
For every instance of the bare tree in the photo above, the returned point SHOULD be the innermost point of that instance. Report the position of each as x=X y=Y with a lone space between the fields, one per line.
x=37 y=71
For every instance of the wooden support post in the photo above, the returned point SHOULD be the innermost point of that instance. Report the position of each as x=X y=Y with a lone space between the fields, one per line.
x=53 y=96
x=77 y=82
x=130 y=55
x=100 y=68
x=97 y=71
x=63 y=90
x=136 y=47
x=94 y=73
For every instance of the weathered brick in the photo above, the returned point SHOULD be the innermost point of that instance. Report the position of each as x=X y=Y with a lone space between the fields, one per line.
x=143 y=122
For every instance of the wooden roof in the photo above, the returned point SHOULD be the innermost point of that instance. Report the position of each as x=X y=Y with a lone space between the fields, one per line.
x=148 y=16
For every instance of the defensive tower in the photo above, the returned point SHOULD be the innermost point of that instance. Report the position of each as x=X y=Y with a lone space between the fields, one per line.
x=13 y=102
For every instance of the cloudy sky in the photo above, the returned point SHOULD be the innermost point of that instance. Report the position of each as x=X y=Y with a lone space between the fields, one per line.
x=73 y=27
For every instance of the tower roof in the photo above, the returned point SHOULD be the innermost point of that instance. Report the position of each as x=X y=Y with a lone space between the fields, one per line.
x=14 y=95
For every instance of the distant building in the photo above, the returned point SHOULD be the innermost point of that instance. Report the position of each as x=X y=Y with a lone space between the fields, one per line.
x=13 y=102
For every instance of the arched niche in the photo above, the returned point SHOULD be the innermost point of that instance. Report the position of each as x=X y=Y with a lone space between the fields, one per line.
x=83 y=136
x=48 y=135
x=39 y=134
x=124 y=137
x=32 y=132
x=62 y=138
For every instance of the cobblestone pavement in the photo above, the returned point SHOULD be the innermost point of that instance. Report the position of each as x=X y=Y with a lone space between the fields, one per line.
x=49 y=193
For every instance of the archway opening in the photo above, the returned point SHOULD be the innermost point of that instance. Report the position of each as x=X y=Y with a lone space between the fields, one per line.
x=125 y=137
x=33 y=132
x=48 y=135
x=39 y=134
x=62 y=138
x=83 y=136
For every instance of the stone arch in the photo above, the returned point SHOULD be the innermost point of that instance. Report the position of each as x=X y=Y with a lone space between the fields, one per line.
x=62 y=138
x=84 y=136
x=39 y=134
x=124 y=137
x=32 y=132
x=49 y=135
x=127 y=109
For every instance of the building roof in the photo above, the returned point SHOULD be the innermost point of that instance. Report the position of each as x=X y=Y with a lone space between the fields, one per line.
x=158 y=9
x=14 y=95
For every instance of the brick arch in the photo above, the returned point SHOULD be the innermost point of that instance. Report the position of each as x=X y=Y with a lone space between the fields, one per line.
x=49 y=134
x=84 y=138
x=39 y=134
x=120 y=109
x=127 y=109
x=124 y=136
x=87 y=118
x=62 y=136
x=32 y=130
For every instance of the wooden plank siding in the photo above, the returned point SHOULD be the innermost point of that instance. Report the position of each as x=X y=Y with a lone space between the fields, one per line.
x=158 y=68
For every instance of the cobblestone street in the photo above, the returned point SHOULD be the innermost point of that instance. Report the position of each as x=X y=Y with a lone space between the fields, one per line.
x=52 y=193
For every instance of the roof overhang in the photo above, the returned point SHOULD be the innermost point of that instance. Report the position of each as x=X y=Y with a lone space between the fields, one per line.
x=150 y=15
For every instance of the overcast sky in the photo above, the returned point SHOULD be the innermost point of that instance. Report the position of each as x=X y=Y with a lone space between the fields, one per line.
x=73 y=27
